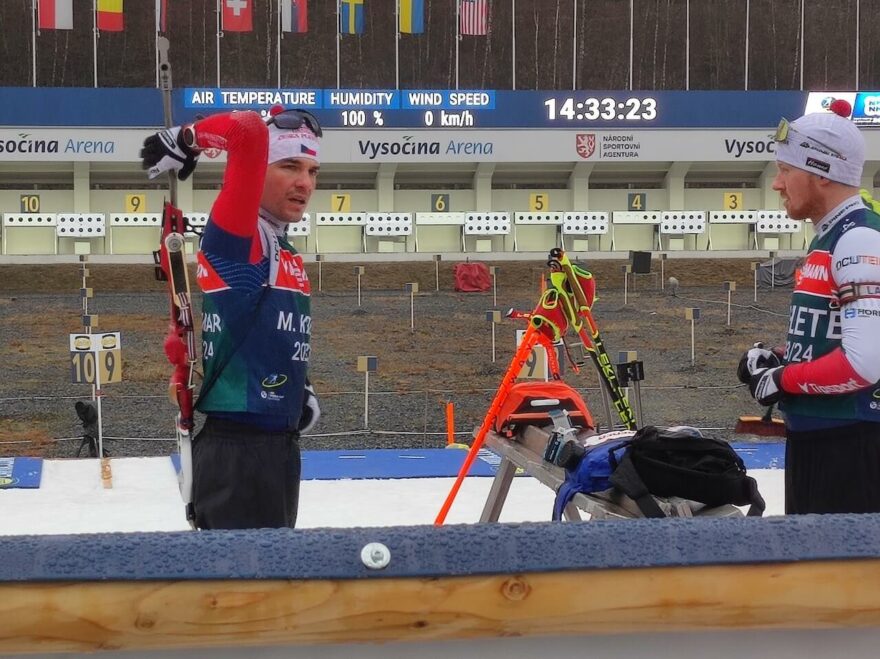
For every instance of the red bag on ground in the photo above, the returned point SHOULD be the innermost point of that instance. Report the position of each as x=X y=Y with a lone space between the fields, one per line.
x=472 y=277
x=529 y=402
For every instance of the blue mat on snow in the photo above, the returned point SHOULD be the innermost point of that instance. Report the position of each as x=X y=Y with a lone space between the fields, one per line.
x=20 y=473
x=445 y=463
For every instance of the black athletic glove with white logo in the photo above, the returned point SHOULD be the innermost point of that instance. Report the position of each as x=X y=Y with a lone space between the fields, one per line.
x=311 y=411
x=167 y=151
x=754 y=359
x=766 y=385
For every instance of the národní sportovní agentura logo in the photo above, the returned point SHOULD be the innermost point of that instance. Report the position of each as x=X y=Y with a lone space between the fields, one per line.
x=585 y=144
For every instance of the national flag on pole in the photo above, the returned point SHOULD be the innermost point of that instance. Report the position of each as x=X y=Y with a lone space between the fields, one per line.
x=110 y=15
x=351 y=17
x=238 y=16
x=474 y=17
x=412 y=16
x=295 y=16
x=56 y=14
x=161 y=15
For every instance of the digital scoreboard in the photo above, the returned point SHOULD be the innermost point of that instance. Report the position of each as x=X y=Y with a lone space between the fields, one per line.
x=488 y=109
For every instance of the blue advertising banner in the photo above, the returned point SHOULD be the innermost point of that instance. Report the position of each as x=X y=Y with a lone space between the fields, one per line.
x=22 y=473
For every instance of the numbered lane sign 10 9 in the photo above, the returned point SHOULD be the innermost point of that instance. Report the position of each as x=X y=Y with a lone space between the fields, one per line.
x=537 y=367
x=96 y=358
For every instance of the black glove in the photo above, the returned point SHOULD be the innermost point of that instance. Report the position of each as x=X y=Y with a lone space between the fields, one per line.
x=311 y=411
x=166 y=151
x=766 y=385
x=756 y=358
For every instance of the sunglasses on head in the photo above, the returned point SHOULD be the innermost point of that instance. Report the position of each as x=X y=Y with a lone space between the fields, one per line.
x=785 y=128
x=293 y=119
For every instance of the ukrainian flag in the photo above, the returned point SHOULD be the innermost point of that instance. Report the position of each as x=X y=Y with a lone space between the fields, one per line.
x=412 y=16
x=351 y=17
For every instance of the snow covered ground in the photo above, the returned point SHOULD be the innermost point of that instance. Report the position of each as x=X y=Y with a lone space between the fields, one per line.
x=145 y=497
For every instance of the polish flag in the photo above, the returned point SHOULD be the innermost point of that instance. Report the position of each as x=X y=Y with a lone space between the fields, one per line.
x=56 y=14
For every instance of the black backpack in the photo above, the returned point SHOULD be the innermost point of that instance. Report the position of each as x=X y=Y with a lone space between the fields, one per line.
x=678 y=464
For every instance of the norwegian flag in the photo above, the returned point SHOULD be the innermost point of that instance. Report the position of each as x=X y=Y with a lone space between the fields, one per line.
x=474 y=17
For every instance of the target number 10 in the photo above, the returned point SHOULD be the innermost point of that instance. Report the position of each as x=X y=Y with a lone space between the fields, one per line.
x=85 y=365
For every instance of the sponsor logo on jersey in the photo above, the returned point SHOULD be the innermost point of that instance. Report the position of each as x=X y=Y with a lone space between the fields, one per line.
x=209 y=280
x=867 y=259
x=292 y=274
x=274 y=381
x=814 y=276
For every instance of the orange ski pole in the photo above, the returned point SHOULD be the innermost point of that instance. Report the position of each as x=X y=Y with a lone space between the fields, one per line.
x=519 y=358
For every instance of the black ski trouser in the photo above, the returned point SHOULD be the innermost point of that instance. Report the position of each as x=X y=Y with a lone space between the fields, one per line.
x=245 y=477
x=836 y=470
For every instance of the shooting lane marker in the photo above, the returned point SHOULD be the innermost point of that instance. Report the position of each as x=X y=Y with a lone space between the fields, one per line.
x=631 y=370
x=772 y=256
x=493 y=316
x=437 y=259
x=755 y=265
x=730 y=287
x=692 y=314
x=367 y=364
x=493 y=270
x=319 y=259
x=412 y=288
x=663 y=257
x=625 y=269
x=359 y=272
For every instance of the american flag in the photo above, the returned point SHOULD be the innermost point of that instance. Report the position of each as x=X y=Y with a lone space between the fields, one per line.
x=474 y=16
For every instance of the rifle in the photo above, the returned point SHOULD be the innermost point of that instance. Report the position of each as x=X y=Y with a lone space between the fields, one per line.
x=564 y=304
x=560 y=263
x=180 y=344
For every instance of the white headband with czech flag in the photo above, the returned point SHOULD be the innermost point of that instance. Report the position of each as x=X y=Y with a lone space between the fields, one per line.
x=285 y=143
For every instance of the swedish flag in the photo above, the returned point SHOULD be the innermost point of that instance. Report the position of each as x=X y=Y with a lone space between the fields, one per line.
x=412 y=16
x=351 y=17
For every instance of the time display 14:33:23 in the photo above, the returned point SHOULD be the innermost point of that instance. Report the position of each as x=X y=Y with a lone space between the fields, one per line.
x=606 y=109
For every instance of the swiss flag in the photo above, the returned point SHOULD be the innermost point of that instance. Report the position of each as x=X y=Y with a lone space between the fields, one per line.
x=238 y=15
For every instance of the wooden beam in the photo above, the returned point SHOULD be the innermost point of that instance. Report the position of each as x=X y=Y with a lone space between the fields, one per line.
x=56 y=617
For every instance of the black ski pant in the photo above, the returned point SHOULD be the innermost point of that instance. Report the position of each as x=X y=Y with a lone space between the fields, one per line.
x=836 y=470
x=245 y=477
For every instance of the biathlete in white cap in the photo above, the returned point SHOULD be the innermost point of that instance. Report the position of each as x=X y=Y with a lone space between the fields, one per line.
x=256 y=320
x=827 y=378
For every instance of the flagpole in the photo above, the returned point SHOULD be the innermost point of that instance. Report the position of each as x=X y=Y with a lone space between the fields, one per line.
x=687 y=45
x=748 y=17
x=95 y=40
x=34 y=37
x=513 y=41
x=219 y=26
x=156 y=39
x=278 y=55
x=338 y=43
x=397 y=44
x=574 y=47
x=631 y=19
x=457 y=36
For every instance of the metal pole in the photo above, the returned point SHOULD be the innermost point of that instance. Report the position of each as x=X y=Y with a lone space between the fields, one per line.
x=278 y=49
x=320 y=277
x=493 y=342
x=687 y=45
x=858 y=38
x=748 y=16
x=338 y=45
x=95 y=41
x=437 y=276
x=574 y=47
x=494 y=290
x=693 y=349
x=412 y=311
x=756 y=284
x=631 y=21
x=359 y=289
x=397 y=44
x=219 y=26
x=625 y=284
x=802 y=45
x=637 y=401
x=513 y=45
x=34 y=40
x=728 y=308
x=457 y=37
x=366 y=400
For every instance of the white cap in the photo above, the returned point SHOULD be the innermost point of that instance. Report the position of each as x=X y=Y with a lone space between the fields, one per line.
x=286 y=143
x=826 y=144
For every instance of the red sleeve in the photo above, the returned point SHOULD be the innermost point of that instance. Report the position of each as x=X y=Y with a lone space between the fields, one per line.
x=244 y=137
x=830 y=374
